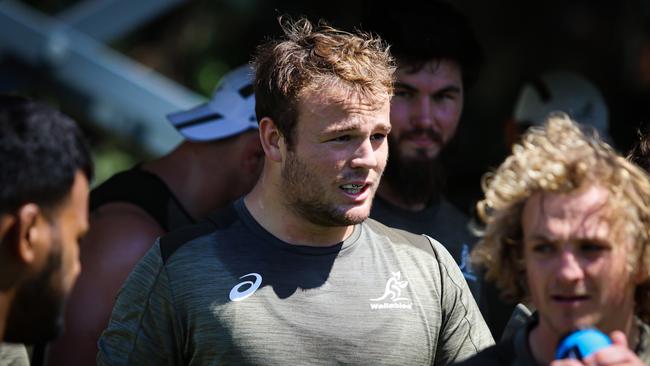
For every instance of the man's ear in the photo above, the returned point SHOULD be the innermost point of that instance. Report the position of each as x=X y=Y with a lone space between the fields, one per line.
x=29 y=232
x=272 y=140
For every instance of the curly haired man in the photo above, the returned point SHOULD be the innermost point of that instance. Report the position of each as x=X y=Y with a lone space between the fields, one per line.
x=568 y=232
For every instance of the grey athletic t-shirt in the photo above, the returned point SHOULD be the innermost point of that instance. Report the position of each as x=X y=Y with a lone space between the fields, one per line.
x=441 y=221
x=13 y=354
x=239 y=295
x=445 y=223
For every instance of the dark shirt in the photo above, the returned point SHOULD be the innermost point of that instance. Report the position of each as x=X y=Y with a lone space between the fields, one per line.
x=145 y=190
x=515 y=351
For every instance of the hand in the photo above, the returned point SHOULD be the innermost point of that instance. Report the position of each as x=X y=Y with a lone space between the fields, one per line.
x=617 y=354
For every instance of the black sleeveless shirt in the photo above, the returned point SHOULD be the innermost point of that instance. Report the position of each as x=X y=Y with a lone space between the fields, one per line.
x=147 y=191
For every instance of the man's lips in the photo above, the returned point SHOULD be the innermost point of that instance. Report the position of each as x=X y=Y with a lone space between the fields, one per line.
x=422 y=137
x=357 y=190
x=421 y=141
x=569 y=299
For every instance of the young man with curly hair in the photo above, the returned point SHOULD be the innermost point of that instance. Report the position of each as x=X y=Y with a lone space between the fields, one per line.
x=568 y=232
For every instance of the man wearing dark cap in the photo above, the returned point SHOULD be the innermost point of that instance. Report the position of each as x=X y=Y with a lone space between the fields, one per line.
x=219 y=161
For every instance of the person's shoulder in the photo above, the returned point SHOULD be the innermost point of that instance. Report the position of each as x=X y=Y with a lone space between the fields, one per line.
x=121 y=228
x=500 y=354
x=420 y=243
x=124 y=213
x=141 y=189
x=397 y=236
x=126 y=180
x=219 y=220
x=174 y=240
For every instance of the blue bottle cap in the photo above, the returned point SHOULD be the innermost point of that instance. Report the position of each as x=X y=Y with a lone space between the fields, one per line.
x=582 y=343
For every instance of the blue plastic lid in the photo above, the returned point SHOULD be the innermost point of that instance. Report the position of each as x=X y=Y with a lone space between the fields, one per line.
x=582 y=343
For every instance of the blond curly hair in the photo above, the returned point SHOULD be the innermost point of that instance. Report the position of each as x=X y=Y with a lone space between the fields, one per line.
x=318 y=58
x=560 y=157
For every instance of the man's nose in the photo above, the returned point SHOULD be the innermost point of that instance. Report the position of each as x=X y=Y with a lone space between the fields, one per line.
x=365 y=156
x=422 y=113
x=569 y=267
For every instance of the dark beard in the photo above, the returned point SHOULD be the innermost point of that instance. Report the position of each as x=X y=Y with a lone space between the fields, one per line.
x=414 y=180
x=36 y=313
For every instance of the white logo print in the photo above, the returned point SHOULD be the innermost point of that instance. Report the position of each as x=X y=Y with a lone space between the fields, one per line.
x=393 y=290
x=236 y=295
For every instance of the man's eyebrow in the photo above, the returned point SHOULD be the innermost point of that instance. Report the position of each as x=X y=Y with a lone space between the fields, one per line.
x=403 y=85
x=449 y=89
x=411 y=88
x=385 y=126
x=538 y=237
x=352 y=126
x=341 y=127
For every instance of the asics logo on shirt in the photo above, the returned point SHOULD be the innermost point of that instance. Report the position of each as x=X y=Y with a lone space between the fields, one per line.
x=236 y=295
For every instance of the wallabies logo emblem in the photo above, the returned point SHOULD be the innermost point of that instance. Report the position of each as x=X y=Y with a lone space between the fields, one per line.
x=393 y=289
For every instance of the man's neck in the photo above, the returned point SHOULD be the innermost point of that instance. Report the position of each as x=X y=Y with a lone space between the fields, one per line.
x=286 y=225
x=391 y=195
